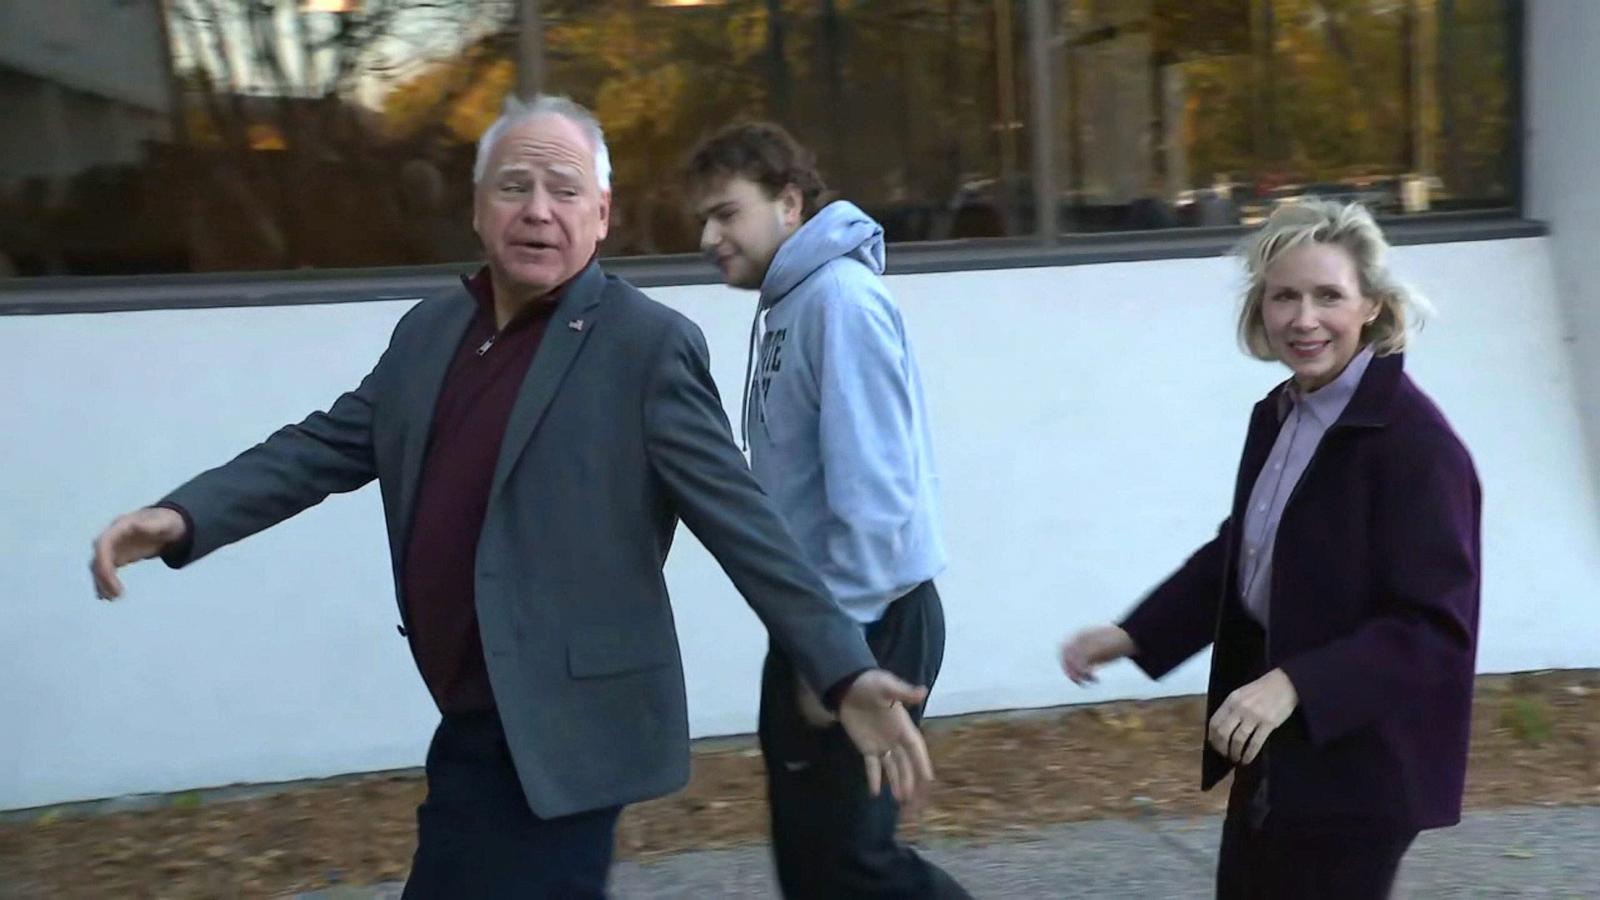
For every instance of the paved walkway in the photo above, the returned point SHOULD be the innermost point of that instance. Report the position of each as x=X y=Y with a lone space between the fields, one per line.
x=1526 y=852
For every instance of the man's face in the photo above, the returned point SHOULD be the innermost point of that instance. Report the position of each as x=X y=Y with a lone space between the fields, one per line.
x=539 y=210
x=744 y=227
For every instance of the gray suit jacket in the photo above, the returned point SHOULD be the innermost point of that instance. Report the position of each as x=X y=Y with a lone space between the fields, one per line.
x=616 y=434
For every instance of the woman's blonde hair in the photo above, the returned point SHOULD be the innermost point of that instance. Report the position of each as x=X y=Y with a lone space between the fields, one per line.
x=1345 y=225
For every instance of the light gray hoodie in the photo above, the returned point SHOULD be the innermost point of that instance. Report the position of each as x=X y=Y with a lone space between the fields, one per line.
x=834 y=416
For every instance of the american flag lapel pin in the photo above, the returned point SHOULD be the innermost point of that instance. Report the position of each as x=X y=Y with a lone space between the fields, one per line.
x=576 y=324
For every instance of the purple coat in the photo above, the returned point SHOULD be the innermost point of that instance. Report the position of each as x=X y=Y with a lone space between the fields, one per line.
x=1373 y=612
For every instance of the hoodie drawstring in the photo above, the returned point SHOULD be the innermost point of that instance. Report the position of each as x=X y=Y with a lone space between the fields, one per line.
x=749 y=382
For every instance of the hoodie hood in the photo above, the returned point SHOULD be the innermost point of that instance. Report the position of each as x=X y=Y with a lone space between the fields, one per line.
x=838 y=229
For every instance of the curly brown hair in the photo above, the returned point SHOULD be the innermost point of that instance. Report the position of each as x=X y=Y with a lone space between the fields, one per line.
x=764 y=153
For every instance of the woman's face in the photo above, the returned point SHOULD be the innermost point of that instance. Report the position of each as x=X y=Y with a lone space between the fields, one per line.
x=1314 y=311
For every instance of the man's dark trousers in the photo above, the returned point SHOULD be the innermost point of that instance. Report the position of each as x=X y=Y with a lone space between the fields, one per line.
x=477 y=838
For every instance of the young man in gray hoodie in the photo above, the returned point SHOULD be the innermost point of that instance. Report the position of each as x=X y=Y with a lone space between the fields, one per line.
x=837 y=430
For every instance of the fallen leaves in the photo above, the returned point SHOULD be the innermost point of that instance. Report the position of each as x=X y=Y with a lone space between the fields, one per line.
x=1536 y=740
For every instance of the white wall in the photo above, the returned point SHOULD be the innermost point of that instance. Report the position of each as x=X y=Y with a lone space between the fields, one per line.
x=1561 y=146
x=1088 y=421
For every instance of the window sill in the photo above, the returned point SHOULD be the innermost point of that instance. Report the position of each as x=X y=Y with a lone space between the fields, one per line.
x=69 y=295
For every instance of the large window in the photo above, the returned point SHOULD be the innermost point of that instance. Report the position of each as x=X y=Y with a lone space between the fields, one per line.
x=175 y=136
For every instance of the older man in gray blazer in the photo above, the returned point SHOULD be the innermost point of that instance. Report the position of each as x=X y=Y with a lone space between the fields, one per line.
x=537 y=434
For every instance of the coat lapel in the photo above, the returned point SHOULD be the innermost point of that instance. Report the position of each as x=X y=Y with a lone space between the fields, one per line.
x=1370 y=405
x=424 y=381
x=570 y=326
x=1263 y=433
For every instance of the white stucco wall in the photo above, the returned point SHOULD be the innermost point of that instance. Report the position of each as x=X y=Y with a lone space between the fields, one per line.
x=1561 y=148
x=1088 y=422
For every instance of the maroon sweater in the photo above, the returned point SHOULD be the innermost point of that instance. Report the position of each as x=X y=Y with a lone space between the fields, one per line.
x=469 y=422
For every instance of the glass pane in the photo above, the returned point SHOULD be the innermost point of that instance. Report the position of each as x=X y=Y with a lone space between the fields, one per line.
x=902 y=100
x=234 y=135
x=1209 y=112
x=230 y=135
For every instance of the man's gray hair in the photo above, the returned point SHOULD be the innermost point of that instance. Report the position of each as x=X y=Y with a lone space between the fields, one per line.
x=518 y=111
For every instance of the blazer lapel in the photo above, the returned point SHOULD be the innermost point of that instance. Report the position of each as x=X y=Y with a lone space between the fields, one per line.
x=424 y=380
x=570 y=325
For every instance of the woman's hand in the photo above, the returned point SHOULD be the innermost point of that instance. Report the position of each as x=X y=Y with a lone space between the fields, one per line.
x=1248 y=717
x=1091 y=648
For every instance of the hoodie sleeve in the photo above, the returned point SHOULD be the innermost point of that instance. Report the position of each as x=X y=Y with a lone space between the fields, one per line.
x=868 y=433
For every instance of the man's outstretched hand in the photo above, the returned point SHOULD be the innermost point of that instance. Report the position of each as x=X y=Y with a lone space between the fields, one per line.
x=138 y=535
x=874 y=714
